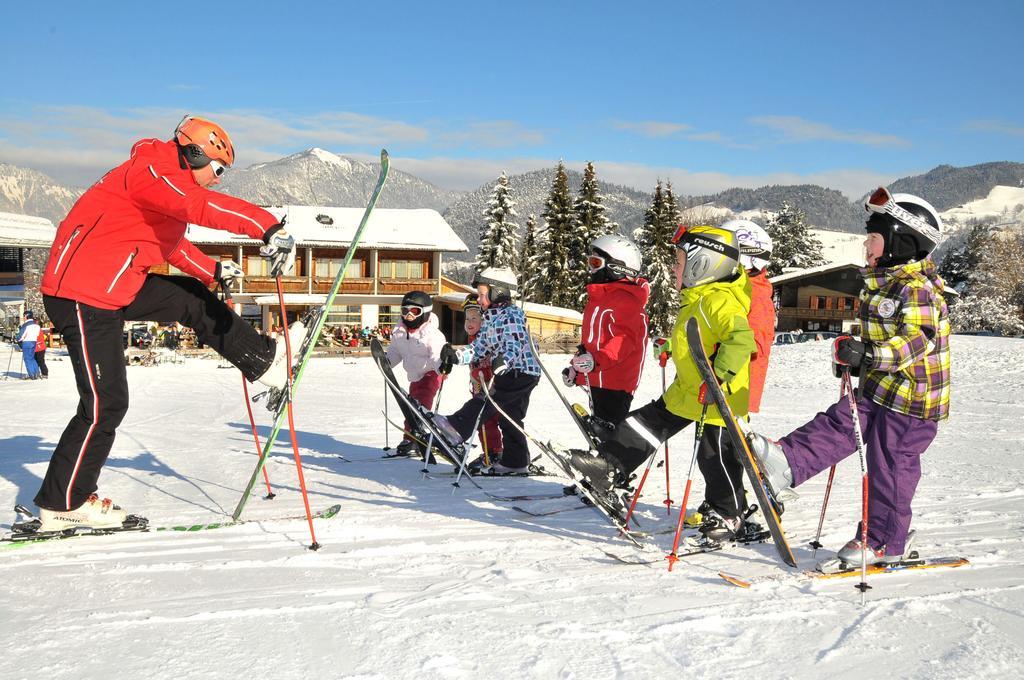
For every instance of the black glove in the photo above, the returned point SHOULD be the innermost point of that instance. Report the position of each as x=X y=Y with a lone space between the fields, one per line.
x=853 y=353
x=449 y=357
x=498 y=365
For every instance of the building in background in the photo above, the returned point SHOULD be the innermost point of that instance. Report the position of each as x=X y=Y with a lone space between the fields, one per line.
x=824 y=298
x=400 y=250
x=24 y=245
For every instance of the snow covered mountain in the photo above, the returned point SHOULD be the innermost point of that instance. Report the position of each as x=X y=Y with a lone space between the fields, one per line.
x=318 y=177
x=30 y=192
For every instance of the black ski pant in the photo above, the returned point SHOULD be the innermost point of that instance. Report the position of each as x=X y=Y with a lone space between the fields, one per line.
x=95 y=343
x=511 y=390
x=41 y=360
x=611 y=405
x=643 y=431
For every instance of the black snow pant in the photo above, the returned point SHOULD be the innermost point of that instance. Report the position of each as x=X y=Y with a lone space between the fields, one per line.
x=41 y=360
x=643 y=431
x=95 y=343
x=611 y=405
x=511 y=390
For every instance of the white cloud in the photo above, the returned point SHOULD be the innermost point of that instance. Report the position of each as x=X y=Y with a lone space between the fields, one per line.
x=652 y=128
x=796 y=129
x=491 y=135
x=999 y=127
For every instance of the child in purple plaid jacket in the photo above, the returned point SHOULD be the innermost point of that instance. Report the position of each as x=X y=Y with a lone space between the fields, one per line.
x=902 y=359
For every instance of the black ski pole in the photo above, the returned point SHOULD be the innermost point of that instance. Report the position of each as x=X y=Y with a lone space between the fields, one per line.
x=9 y=358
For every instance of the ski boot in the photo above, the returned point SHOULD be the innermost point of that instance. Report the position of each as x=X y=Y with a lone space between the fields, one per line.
x=407 y=449
x=94 y=513
x=599 y=472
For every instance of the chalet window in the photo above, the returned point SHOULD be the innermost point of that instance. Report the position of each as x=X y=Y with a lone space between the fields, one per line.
x=346 y=315
x=403 y=269
x=389 y=316
x=257 y=266
x=328 y=267
x=11 y=260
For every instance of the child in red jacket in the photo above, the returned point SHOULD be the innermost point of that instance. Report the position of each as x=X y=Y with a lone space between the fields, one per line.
x=614 y=334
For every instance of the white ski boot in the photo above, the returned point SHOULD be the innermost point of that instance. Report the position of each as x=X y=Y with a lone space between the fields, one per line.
x=95 y=513
x=276 y=375
x=774 y=465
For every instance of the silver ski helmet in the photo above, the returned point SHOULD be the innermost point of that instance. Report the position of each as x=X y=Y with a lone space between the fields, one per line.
x=754 y=242
x=418 y=305
x=613 y=258
x=501 y=282
x=910 y=226
x=712 y=254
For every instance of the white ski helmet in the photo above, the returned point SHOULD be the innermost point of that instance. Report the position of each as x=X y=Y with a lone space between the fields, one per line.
x=501 y=281
x=620 y=259
x=755 y=243
x=712 y=254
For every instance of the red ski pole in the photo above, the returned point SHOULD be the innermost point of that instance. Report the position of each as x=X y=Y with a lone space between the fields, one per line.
x=663 y=359
x=863 y=586
x=673 y=557
x=816 y=543
x=248 y=407
x=291 y=415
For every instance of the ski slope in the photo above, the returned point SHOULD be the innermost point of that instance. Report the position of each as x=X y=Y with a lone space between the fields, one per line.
x=418 y=579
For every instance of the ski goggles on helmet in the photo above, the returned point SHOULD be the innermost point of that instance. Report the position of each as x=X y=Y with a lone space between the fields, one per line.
x=218 y=168
x=595 y=262
x=415 y=311
x=678 y=236
x=881 y=202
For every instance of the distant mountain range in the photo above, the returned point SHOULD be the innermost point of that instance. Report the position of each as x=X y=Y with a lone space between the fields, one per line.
x=318 y=177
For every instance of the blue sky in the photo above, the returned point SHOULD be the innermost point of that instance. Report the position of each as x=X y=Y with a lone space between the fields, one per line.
x=707 y=95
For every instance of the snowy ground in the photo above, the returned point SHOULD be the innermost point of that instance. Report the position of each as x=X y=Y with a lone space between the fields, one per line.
x=415 y=581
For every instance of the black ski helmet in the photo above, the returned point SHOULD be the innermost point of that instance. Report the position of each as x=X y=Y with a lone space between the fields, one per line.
x=501 y=282
x=910 y=226
x=417 y=298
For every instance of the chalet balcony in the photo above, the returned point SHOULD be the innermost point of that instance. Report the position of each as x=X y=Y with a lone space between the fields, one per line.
x=350 y=286
x=818 y=314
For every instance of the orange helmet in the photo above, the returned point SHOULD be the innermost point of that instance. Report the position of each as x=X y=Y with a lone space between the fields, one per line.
x=202 y=141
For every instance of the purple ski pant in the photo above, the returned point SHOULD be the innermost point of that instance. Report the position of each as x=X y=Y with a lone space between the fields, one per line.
x=894 y=444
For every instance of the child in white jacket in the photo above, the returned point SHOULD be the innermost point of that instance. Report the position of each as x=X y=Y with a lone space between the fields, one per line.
x=416 y=343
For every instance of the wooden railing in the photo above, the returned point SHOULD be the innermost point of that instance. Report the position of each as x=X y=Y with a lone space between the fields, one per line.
x=808 y=313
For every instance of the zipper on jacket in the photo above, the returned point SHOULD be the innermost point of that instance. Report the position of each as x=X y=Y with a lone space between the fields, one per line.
x=64 y=250
x=124 y=268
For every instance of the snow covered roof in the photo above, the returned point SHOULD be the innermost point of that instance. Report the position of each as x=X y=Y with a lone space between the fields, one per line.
x=25 y=231
x=811 y=271
x=388 y=228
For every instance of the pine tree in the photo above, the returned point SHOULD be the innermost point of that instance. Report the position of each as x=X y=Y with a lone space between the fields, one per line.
x=555 y=284
x=499 y=233
x=793 y=245
x=654 y=239
x=993 y=295
x=528 y=261
x=962 y=259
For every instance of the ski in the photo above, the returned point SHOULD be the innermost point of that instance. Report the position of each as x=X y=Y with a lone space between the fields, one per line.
x=453 y=453
x=580 y=422
x=606 y=505
x=525 y=497
x=547 y=513
x=913 y=563
x=739 y=442
x=689 y=552
x=309 y=343
x=26 y=532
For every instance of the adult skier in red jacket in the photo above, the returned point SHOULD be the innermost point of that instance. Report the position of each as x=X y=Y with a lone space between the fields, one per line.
x=98 y=277
x=614 y=333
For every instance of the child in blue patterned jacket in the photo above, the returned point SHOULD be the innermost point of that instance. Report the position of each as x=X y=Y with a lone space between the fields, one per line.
x=505 y=338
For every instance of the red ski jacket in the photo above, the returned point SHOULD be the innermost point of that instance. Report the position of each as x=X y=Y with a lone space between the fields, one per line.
x=615 y=334
x=762 y=322
x=134 y=218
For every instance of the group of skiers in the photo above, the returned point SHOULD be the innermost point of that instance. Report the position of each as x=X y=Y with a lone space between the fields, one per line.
x=31 y=340
x=135 y=217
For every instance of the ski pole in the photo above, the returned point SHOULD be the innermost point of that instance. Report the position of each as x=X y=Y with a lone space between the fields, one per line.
x=816 y=543
x=248 y=407
x=9 y=357
x=465 y=450
x=663 y=359
x=673 y=557
x=863 y=586
x=387 y=441
x=291 y=414
x=427 y=455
